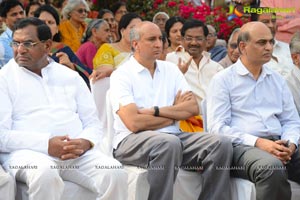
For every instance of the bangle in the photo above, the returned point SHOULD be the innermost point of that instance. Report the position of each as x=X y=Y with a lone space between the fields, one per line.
x=156 y=111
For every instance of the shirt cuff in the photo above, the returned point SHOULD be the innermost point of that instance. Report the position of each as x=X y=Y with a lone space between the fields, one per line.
x=249 y=140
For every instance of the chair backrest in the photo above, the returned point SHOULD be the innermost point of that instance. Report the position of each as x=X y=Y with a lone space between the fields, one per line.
x=99 y=90
x=204 y=114
x=110 y=124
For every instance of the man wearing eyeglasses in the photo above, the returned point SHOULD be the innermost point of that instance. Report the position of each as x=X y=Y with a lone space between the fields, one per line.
x=199 y=73
x=11 y=12
x=252 y=105
x=216 y=49
x=48 y=123
x=232 y=50
x=281 y=59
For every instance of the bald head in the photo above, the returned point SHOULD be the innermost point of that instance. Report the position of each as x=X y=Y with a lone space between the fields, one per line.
x=146 y=42
x=255 y=42
x=143 y=27
x=249 y=29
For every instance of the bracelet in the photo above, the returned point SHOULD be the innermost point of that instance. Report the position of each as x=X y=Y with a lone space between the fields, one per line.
x=156 y=111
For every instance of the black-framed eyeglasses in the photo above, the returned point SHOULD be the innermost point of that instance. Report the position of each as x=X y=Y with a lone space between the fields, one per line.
x=81 y=10
x=197 y=39
x=27 y=45
x=233 y=45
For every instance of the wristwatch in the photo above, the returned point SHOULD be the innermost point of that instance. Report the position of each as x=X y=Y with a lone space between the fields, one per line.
x=156 y=111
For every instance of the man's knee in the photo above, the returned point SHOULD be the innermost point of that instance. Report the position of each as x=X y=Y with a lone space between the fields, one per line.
x=222 y=144
x=45 y=177
x=271 y=169
x=171 y=144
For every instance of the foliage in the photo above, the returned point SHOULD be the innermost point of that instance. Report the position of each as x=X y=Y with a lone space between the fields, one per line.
x=217 y=17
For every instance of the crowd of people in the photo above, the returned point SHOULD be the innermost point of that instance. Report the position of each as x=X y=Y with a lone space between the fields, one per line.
x=160 y=74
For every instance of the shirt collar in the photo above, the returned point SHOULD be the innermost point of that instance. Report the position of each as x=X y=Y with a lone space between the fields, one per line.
x=242 y=70
x=137 y=67
x=8 y=32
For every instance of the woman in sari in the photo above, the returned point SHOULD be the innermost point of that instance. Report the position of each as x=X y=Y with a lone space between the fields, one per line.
x=59 y=51
x=73 y=28
x=109 y=56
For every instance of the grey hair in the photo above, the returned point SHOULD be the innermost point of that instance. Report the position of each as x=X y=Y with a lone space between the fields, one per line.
x=211 y=27
x=295 y=43
x=134 y=35
x=244 y=36
x=96 y=23
x=71 y=5
x=160 y=13
x=232 y=34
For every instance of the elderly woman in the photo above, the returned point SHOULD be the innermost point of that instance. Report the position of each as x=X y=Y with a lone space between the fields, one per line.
x=108 y=16
x=97 y=33
x=160 y=20
x=109 y=56
x=73 y=28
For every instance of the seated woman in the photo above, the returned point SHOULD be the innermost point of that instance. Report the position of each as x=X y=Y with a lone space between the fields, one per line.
x=59 y=51
x=97 y=33
x=160 y=20
x=31 y=8
x=173 y=31
x=109 y=56
x=73 y=28
x=108 y=16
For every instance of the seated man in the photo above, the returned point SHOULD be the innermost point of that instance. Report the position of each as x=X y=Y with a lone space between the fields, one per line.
x=7 y=186
x=232 y=50
x=48 y=123
x=148 y=96
x=198 y=70
x=201 y=68
x=293 y=78
x=10 y=11
x=252 y=105
x=217 y=52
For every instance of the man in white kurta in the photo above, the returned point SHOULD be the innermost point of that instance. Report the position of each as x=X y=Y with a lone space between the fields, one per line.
x=49 y=131
x=202 y=68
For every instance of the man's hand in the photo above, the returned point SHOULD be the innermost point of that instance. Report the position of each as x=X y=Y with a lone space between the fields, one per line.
x=186 y=96
x=290 y=146
x=184 y=66
x=65 y=148
x=275 y=148
x=74 y=148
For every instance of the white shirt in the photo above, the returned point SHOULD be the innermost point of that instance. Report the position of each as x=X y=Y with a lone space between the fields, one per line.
x=284 y=63
x=244 y=108
x=33 y=108
x=293 y=81
x=133 y=83
x=197 y=76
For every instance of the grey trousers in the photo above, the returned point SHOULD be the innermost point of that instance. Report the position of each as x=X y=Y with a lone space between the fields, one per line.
x=163 y=154
x=266 y=171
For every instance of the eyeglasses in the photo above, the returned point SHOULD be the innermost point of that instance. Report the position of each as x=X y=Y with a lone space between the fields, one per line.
x=197 y=39
x=233 y=45
x=80 y=11
x=210 y=35
x=27 y=45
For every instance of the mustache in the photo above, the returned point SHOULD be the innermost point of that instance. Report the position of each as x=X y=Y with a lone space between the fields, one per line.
x=194 y=46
